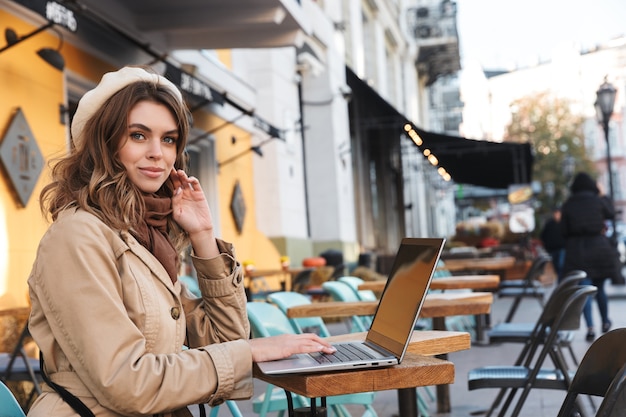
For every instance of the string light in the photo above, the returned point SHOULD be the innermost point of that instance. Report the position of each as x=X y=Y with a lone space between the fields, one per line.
x=415 y=137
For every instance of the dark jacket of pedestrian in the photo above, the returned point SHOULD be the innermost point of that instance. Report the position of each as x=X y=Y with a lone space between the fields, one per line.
x=583 y=218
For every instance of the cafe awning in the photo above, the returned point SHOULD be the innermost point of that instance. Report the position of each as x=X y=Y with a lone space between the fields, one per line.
x=192 y=24
x=468 y=161
x=480 y=162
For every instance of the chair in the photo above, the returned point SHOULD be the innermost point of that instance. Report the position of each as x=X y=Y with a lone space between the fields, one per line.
x=9 y=407
x=529 y=287
x=536 y=261
x=18 y=366
x=614 y=402
x=529 y=372
x=354 y=282
x=521 y=332
x=309 y=281
x=334 y=258
x=286 y=299
x=441 y=270
x=266 y=320
x=602 y=372
x=192 y=284
x=340 y=291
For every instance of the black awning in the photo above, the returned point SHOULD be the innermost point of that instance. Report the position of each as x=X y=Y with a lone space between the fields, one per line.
x=468 y=161
x=480 y=162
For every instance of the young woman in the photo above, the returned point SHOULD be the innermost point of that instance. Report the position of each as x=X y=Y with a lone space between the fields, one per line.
x=108 y=313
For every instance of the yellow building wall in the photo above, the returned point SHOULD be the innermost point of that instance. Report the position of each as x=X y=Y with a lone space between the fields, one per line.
x=251 y=245
x=29 y=83
x=225 y=57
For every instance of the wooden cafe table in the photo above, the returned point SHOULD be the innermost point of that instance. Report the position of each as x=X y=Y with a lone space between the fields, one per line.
x=285 y=277
x=499 y=263
x=456 y=282
x=418 y=368
x=436 y=306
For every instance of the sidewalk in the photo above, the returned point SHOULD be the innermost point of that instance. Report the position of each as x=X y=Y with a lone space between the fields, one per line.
x=540 y=403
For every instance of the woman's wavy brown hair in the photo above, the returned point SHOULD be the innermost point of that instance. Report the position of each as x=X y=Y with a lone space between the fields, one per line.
x=92 y=178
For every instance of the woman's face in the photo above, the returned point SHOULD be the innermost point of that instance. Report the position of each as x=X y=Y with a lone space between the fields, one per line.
x=148 y=149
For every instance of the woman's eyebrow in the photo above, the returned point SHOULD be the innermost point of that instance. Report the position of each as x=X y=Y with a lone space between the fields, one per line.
x=144 y=127
x=139 y=126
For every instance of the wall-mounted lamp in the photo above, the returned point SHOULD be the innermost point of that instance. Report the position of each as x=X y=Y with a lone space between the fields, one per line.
x=51 y=56
x=256 y=149
x=215 y=129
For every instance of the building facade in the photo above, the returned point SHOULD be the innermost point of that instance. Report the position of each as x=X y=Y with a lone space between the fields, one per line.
x=299 y=112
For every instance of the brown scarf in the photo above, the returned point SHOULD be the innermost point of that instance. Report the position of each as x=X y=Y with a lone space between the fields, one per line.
x=152 y=233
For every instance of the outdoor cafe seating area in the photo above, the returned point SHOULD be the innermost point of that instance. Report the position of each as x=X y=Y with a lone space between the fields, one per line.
x=486 y=343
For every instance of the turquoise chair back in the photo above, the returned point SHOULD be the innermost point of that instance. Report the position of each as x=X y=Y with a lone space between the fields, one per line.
x=340 y=291
x=441 y=271
x=267 y=320
x=354 y=282
x=287 y=299
x=192 y=284
x=9 y=407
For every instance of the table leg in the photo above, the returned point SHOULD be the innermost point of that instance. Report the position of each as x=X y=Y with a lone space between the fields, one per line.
x=482 y=323
x=289 y=403
x=443 y=391
x=407 y=402
x=312 y=411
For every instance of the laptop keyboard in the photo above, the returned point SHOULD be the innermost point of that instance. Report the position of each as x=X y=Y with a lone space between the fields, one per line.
x=345 y=353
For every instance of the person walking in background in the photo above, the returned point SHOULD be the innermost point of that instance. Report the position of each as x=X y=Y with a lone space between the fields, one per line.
x=116 y=328
x=587 y=247
x=553 y=241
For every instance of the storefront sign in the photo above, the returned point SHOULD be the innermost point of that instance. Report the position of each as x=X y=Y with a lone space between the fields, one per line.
x=54 y=12
x=190 y=84
x=199 y=89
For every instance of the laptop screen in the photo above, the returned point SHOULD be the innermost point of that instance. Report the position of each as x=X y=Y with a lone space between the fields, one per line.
x=404 y=293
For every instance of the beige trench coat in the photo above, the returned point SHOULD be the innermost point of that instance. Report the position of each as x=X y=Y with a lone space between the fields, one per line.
x=111 y=325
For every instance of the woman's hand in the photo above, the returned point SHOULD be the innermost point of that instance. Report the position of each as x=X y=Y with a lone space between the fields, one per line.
x=191 y=211
x=283 y=346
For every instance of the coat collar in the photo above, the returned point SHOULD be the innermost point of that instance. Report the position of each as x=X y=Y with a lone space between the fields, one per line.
x=148 y=259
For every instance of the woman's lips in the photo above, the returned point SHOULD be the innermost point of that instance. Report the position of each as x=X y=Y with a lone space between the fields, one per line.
x=151 y=172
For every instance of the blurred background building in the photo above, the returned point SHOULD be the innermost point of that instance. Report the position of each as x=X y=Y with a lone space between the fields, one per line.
x=317 y=125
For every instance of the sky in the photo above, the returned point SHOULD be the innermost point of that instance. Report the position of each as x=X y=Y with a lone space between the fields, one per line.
x=508 y=34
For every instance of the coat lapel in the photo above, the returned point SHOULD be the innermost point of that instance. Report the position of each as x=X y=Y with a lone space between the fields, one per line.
x=148 y=259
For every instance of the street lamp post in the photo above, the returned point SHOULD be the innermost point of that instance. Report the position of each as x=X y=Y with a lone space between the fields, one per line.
x=605 y=101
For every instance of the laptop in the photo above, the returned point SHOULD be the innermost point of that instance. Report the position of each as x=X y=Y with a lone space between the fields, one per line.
x=393 y=323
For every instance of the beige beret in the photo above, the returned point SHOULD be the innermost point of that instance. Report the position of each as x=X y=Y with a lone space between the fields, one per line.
x=111 y=83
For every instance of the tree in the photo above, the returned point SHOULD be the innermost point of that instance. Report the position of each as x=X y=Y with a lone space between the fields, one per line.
x=556 y=136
